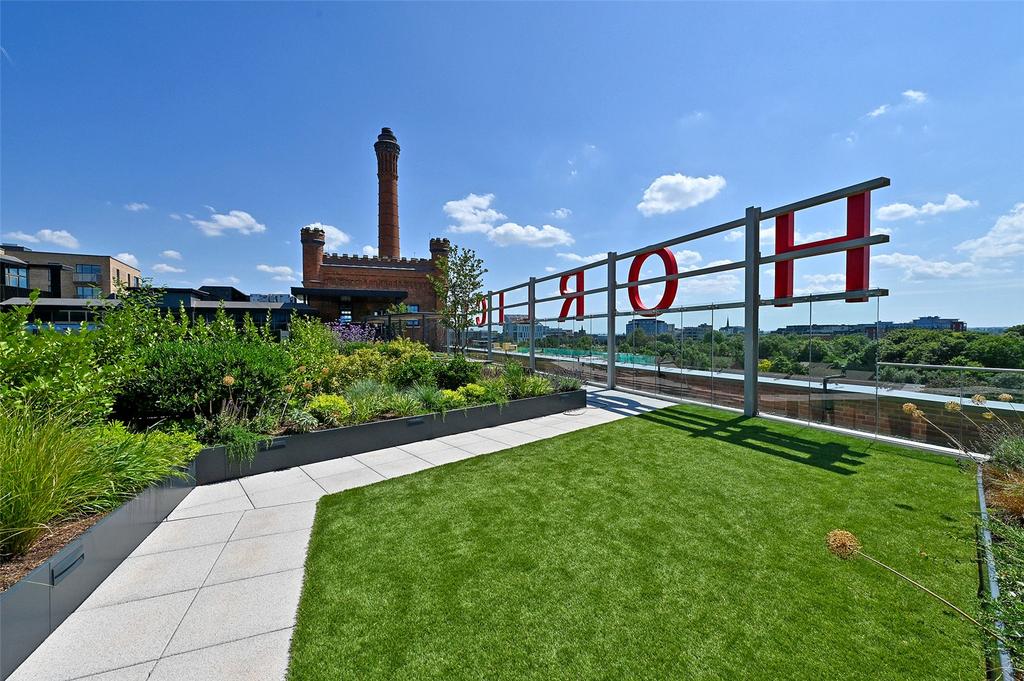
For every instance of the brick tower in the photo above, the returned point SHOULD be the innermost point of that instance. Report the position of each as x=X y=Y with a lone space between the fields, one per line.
x=387 y=193
x=313 y=240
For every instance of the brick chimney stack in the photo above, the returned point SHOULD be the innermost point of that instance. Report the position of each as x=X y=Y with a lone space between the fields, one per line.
x=387 y=193
x=313 y=240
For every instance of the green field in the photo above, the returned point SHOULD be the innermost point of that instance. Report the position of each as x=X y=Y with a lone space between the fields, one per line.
x=687 y=543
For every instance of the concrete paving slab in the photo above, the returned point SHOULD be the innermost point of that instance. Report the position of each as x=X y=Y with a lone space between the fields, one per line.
x=236 y=610
x=189 y=532
x=275 y=519
x=281 y=487
x=243 y=558
x=155 y=574
x=258 y=658
x=221 y=497
x=103 y=639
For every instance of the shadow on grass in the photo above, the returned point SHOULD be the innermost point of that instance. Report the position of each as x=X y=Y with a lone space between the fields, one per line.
x=741 y=431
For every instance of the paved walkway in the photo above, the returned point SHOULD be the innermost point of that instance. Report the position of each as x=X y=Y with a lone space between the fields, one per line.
x=211 y=594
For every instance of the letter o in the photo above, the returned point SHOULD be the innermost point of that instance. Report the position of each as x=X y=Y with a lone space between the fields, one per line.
x=671 y=286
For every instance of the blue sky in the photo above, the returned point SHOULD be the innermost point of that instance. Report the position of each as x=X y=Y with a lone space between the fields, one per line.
x=201 y=137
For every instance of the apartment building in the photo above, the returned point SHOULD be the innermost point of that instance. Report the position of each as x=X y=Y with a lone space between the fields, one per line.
x=62 y=275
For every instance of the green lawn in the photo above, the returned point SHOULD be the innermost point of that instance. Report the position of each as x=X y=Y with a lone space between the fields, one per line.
x=687 y=543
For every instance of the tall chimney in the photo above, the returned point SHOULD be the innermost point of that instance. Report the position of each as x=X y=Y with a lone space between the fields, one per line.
x=387 y=193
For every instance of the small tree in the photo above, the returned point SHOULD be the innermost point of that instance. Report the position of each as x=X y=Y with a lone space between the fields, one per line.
x=457 y=285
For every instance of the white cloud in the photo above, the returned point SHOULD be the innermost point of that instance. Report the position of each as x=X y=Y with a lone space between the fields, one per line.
x=237 y=220
x=582 y=259
x=370 y=250
x=170 y=255
x=687 y=258
x=1004 y=240
x=334 y=238
x=821 y=283
x=561 y=213
x=57 y=237
x=915 y=96
x=902 y=211
x=550 y=269
x=878 y=111
x=916 y=267
x=164 y=268
x=226 y=281
x=734 y=235
x=671 y=193
x=280 y=272
x=710 y=283
x=545 y=236
x=175 y=216
x=128 y=259
x=136 y=207
x=472 y=214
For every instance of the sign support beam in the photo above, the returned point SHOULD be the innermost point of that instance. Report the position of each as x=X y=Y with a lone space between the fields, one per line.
x=610 y=382
x=752 y=305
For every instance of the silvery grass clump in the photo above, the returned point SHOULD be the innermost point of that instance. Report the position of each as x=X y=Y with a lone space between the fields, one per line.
x=847 y=546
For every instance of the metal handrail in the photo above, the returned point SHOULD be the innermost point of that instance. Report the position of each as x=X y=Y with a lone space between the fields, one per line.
x=827 y=197
x=950 y=366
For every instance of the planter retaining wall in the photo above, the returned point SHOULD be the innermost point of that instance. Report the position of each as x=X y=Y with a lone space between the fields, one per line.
x=41 y=600
x=214 y=465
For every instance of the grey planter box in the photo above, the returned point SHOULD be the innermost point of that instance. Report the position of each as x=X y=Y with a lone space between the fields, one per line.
x=41 y=600
x=213 y=465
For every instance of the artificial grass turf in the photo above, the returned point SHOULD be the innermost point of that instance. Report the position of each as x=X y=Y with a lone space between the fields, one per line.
x=684 y=543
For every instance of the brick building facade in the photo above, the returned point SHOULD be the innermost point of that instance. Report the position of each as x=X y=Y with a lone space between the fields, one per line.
x=355 y=287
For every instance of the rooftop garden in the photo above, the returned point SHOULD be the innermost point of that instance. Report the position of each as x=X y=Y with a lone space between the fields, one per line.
x=87 y=419
x=684 y=543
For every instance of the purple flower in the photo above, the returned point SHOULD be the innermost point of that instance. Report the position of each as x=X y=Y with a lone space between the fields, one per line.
x=347 y=332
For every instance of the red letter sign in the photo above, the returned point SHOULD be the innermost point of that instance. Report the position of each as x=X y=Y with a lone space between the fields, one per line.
x=482 y=318
x=671 y=286
x=858 y=225
x=563 y=290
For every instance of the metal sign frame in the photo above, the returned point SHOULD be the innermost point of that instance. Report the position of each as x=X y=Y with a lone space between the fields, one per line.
x=856 y=243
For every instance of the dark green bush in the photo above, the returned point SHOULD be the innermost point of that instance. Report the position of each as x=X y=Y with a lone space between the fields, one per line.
x=415 y=369
x=456 y=372
x=186 y=379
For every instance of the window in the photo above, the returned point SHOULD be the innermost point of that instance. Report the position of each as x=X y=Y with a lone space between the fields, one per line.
x=89 y=273
x=117 y=275
x=87 y=292
x=412 y=323
x=16 y=276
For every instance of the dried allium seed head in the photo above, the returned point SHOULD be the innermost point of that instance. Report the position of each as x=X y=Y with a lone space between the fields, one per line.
x=988 y=415
x=302 y=368
x=952 y=405
x=229 y=381
x=842 y=544
x=918 y=414
x=909 y=407
x=325 y=371
x=289 y=389
x=1005 y=397
x=307 y=385
x=978 y=399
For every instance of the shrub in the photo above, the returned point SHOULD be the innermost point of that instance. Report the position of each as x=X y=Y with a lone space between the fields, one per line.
x=513 y=377
x=414 y=369
x=474 y=393
x=300 y=421
x=53 y=371
x=364 y=363
x=565 y=384
x=330 y=410
x=311 y=345
x=184 y=379
x=51 y=469
x=347 y=348
x=403 y=404
x=456 y=372
x=369 y=398
x=451 y=399
x=1008 y=453
x=535 y=386
x=427 y=395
